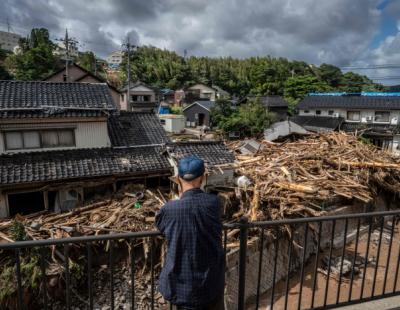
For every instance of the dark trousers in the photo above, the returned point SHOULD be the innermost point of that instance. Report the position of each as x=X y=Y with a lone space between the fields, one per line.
x=217 y=305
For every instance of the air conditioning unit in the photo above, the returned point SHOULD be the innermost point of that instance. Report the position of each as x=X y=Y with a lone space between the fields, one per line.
x=363 y=119
x=394 y=121
x=369 y=118
x=335 y=115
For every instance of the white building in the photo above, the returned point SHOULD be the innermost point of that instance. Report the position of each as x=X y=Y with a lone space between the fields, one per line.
x=9 y=40
x=172 y=123
x=115 y=58
x=376 y=115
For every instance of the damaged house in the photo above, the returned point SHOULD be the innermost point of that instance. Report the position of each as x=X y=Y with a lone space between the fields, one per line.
x=374 y=115
x=61 y=142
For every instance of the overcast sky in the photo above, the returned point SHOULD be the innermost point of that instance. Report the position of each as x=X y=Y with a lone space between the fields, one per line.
x=341 y=32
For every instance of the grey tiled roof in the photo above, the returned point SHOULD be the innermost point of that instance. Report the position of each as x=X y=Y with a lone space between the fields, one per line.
x=136 y=128
x=20 y=99
x=207 y=104
x=351 y=102
x=83 y=163
x=313 y=122
x=212 y=152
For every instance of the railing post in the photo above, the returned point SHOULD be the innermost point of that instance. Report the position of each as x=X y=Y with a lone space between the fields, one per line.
x=244 y=226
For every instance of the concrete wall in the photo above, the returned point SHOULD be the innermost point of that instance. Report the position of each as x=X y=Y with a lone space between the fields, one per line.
x=88 y=134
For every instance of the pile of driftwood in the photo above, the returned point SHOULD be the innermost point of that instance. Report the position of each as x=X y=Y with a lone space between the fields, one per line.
x=305 y=177
x=129 y=210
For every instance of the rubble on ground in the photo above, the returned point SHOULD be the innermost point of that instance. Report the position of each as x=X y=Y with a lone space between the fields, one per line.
x=306 y=177
x=131 y=209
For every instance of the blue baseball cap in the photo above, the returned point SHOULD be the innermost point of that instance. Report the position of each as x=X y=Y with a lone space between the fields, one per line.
x=190 y=168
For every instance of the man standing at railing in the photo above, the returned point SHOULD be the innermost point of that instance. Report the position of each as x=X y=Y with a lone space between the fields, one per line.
x=194 y=271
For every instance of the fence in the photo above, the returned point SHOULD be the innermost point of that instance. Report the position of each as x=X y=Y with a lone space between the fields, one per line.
x=313 y=263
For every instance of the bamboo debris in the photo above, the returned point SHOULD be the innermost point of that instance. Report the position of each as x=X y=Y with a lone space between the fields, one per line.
x=304 y=177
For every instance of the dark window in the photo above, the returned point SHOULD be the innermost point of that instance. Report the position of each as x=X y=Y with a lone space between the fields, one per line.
x=57 y=138
x=17 y=140
x=162 y=121
x=318 y=112
x=306 y=111
x=330 y=112
x=25 y=203
x=382 y=116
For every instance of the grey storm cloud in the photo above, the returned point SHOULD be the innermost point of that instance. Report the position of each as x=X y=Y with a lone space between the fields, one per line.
x=334 y=31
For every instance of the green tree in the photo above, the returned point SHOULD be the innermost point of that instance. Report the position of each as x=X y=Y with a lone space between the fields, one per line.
x=4 y=74
x=250 y=119
x=332 y=75
x=222 y=110
x=296 y=88
x=36 y=60
x=88 y=61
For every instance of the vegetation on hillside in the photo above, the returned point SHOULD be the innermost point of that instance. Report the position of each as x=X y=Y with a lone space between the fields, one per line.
x=254 y=75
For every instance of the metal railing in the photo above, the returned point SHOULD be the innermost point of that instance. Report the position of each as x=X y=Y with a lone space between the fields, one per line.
x=351 y=235
x=308 y=258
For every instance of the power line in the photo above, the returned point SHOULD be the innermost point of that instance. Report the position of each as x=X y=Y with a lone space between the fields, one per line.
x=385 y=78
x=372 y=67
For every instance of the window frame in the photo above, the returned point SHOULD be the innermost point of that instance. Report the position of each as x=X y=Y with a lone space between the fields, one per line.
x=40 y=131
x=382 y=111
x=353 y=111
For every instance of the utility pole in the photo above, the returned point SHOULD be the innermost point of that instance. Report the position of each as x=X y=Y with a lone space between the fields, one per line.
x=128 y=53
x=66 y=43
x=8 y=25
x=128 y=47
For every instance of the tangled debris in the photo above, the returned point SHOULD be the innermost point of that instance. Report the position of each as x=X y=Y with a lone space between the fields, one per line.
x=305 y=177
x=131 y=209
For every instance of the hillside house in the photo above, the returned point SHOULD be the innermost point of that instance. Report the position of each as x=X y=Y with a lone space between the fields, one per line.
x=62 y=143
x=198 y=113
x=79 y=74
x=198 y=92
x=143 y=98
x=376 y=115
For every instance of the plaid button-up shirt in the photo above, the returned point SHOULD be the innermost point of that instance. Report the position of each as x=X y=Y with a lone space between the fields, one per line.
x=193 y=273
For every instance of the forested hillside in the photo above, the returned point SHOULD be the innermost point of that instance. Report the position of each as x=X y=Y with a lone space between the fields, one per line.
x=255 y=75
